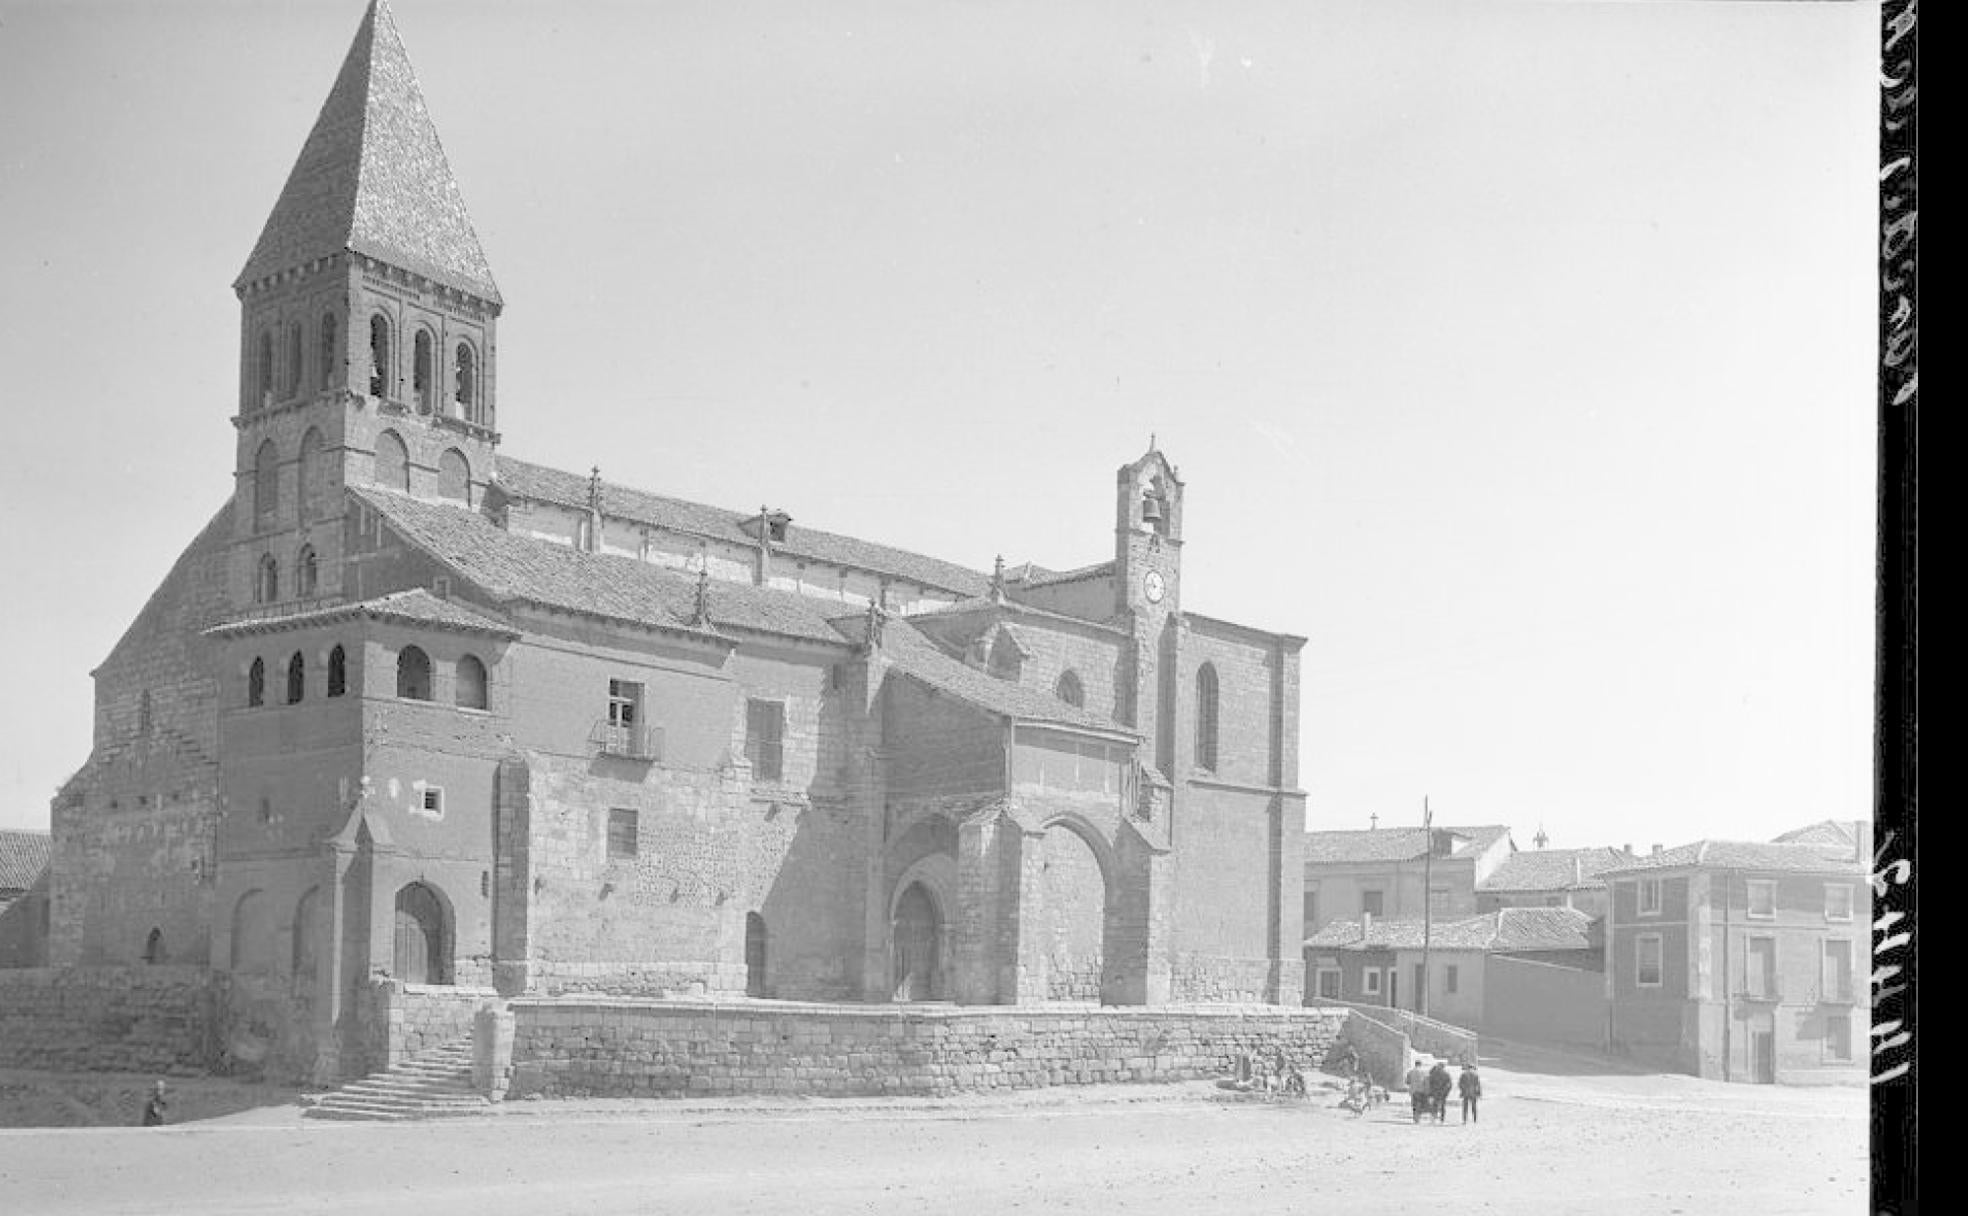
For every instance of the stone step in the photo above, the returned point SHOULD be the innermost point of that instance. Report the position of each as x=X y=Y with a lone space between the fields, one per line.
x=433 y=1083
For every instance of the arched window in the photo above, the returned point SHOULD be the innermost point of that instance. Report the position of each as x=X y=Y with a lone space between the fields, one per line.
x=454 y=476
x=264 y=395
x=266 y=483
x=392 y=462
x=379 y=355
x=266 y=589
x=1069 y=690
x=296 y=679
x=256 y=683
x=144 y=713
x=252 y=933
x=307 y=915
x=413 y=674
x=307 y=573
x=1206 y=711
x=308 y=472
x=154 y=947
x=420 y=371
x=337 y=672
x=471 y=683
x=294 y=356
x=467 y=382
x=331 y=355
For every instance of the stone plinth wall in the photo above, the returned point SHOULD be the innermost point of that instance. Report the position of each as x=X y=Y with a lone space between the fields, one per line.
x=404 y=1019
x=567 y=1047
x=1425 y=1034
x=111 y=1019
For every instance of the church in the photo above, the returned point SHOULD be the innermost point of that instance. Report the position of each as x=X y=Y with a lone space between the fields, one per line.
x=412 y=709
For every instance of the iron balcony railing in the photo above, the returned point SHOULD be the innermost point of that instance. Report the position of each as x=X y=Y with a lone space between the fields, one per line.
x=636 y=742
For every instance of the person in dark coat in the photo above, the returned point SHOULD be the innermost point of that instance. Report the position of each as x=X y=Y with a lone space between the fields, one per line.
x=1471 y=1087
x=153 y=1113
x=1439 y=1086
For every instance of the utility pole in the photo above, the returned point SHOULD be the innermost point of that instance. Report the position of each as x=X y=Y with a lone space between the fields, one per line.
x=1427 y=908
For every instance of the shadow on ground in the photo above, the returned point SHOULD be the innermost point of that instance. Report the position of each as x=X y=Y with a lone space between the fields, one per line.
x=94 y=1099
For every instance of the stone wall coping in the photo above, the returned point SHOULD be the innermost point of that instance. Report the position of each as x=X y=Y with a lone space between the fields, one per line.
x=809 y=1009
x=461 y=991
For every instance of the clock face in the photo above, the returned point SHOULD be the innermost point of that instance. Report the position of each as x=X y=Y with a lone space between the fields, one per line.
x=1152 y=586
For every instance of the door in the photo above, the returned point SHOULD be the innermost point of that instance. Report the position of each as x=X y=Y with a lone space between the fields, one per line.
x=754 y=954
x=1763 y=1054
x=1393 y=987
x=917 y=930
x=419 y=936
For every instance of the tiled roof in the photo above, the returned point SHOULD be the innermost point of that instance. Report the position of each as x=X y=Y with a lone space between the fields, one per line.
x=524 y=569
x=1508 y=929
x=372 y=177
x=1739 y=855
x=1036 y=576
x=416 y=607
x=915 y=655
x=23 y=858
x=1394 y=844
x=1552 y=870
x=985 y=606
x=539 y=483
x=1829 y=833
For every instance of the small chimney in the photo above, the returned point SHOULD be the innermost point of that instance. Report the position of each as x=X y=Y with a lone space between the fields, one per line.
x=1627 y=849
x=1657 y=850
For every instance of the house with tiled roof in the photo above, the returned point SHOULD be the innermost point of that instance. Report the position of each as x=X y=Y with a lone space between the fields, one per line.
x=1382 y=872
x=412 y=711
x=1743 y=960
x=1550 y=878
x=23 y=897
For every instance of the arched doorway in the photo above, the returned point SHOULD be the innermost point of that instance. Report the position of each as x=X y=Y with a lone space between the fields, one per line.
x=918 y=946
x=420 y=954
x=754 y=954
x=1072 y=915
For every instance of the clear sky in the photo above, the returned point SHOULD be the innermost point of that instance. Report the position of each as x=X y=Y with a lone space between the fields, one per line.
x=1519 y=355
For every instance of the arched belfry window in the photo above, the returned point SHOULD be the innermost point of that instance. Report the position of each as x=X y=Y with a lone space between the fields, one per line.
x=295 y=351
x=392 y=462
x=266 y=483
x=1206 y=717
x=420 y=371
x=256 y=683
x=337 y=672
x=266 y=588
x=307 y=574
x=263 y=393
x=331 y=355
x=454 y=476
x=1069 y=690
x=309 y=471
x=154 y=951
x=296 y=679
x=466 y=386
x=379 y=355
x=413 y=674
x=471 y=691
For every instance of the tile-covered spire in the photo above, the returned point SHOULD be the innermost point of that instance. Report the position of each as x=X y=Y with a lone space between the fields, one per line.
x=373 y=178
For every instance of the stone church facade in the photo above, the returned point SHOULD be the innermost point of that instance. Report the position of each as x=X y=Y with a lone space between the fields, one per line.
x=409 y=707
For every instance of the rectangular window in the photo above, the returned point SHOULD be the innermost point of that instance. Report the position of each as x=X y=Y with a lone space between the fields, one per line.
x=1311 y=911
x=432 y=801
x=1370 y=903
x=765 y=734
x=1837 y=979
x=1370 y=981
x=1647 y=961
x=1760 y=970
x=1328 y=988
x=623 y=829
x=1838 y=1038
x=1762 y=898
x=1650 y=897
x=1838 y=901
x=624 y=703
x=1452 y=978
x=1438 y=899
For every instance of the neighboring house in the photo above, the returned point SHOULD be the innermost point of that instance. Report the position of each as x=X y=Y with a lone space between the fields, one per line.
x=1379 y=962
x=1743 y=961
x=1380 y=872
x=1550 y=878
x=24 y=898
x=410 y=707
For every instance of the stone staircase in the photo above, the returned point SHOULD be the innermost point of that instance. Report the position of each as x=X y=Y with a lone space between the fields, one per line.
x=430 y=1084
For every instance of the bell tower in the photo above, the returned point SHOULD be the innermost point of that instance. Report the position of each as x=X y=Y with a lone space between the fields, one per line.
x=1148 y=593
x=368 y=332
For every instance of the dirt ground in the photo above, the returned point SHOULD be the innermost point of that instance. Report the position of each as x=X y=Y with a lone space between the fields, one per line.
x=1554 y=1136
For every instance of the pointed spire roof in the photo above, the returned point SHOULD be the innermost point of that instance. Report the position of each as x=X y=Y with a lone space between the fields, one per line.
x=373 y=178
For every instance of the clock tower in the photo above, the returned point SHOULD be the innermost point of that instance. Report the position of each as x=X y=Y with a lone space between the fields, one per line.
x=1148 y=595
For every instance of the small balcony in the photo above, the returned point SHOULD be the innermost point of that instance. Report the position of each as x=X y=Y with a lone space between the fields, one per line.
x=637 y=742
x=1838 y=992
x=1761 y=994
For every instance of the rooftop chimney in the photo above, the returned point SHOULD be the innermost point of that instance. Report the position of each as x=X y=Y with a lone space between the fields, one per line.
x=1366 y=926
x=1627 y=849
x=1657 y=850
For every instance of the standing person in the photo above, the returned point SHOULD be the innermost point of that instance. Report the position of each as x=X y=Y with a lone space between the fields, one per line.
x=1439 y=1086
x=153 y=1114
x=1418 y=1090
x=1471 y=1086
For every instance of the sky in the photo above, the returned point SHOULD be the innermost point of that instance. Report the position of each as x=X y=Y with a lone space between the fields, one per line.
x=1517 y=355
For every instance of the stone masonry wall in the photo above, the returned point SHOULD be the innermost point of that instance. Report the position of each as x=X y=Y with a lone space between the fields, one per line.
x=112 y=1019
x=570 y=1047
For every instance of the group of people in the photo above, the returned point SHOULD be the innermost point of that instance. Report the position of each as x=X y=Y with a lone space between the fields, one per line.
x=1429 y=1090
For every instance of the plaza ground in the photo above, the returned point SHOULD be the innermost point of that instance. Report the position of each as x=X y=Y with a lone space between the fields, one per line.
x=1557 y=1135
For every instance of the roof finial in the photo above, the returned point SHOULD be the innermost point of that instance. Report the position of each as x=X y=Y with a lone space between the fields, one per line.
x=875 y=618
x=704 y=594
x=1373 y=821
x=594 y=490
x=998 y=581
x=1540 y=838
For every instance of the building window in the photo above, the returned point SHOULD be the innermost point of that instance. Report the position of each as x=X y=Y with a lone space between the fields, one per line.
x=420 y=371
x=1838 y=901
x=1370 y=982
x=1650 y=897
x=765 y=733
x=266 y=586
x=294 y=349
x=624 y=703
x=265 y=394
x=467 y=383
x=1069 y=690
x=1838 y=1038
x=256 y=683
x=307 y=477
x=413 y=674
x=623 y=833
x=454 y=476
x=471 y=692
x=1836 y=983
x=1328 y=984
x=307 y=914
x=307 y=573
x=1438 y=899
x=266 y=483
x=1451 y=979
x=154 y=953
x=1647 y=960
x=1760 y=968
x=330 y=356
x=1311 y=911
x=392 y=462
x=1762 y=898
x=337 y=672
x=1206 y=709
x=1371 y=903
x=379 y=355
x=144 y=719
x=296 y=679
x=432 y=801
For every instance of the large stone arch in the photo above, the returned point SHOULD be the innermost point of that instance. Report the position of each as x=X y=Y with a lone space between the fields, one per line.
x=1072 y=919
x=922 y=908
